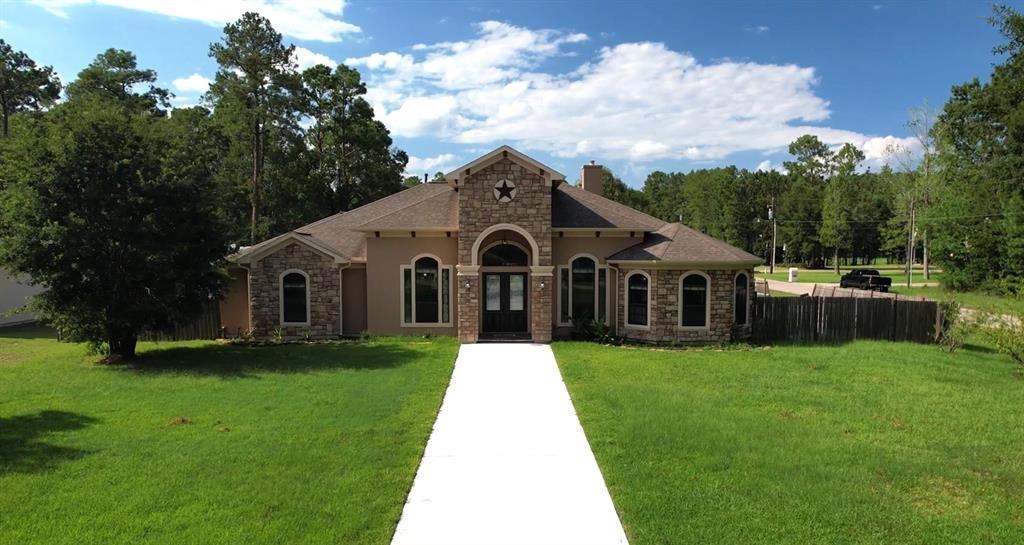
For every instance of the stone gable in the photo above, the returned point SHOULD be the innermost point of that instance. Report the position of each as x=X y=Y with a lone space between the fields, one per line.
x=324 y=293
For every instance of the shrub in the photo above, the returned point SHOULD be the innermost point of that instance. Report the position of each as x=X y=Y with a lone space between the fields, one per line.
x=955 y=328
x=1007 y=334
x=592 y=330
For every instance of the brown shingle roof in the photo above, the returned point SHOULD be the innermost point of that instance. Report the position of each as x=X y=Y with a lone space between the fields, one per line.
x=438 y=212
x=340 y=230
x=677 y=243
x=575 y=208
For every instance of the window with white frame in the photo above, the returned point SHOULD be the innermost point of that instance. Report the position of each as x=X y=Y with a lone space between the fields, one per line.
x=740 y=296
x=582 y=291
x=638 y=299
x=694 y=311
x=426 y=292
x=294 y=297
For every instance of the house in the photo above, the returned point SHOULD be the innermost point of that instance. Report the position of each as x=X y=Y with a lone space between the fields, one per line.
x=504 y=248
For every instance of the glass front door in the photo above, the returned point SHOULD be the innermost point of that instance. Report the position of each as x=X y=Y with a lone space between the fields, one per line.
x=504 y=303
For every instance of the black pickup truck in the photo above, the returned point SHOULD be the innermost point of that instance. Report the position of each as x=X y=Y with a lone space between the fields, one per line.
x=865 y=279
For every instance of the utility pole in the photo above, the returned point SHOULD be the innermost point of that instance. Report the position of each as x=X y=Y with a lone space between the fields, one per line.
x=775 y=232
x=910 y=243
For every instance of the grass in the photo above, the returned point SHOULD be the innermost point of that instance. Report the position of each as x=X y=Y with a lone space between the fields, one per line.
x=822 y=276
x=867 y=442
x=969 y=299
x=206 y=443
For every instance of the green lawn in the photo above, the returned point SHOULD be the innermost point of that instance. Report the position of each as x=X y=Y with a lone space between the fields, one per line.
x=830 y=277
x=206 y=443
x=969 y=299
x=867 y=442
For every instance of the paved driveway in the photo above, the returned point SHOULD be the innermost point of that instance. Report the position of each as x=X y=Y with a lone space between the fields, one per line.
x=507 y=461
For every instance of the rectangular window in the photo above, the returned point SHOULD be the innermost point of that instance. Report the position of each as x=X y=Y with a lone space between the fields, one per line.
x=407 y=291
x=602 y=295
x=636 y=300
x=563 y=292
x=446 y=305
x=515 y=292
x=583 y=282
x=493 y=292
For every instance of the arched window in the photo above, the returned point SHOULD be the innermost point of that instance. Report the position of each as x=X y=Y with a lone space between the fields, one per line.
x=583 y=288
x=638 y=300
x=505 y=255
x=426 y=292
x=294 y=298
x=693 y=300
x=740 y=299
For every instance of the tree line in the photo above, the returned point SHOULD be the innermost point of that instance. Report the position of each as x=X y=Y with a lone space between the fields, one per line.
x=124 y=207
x=955 y=200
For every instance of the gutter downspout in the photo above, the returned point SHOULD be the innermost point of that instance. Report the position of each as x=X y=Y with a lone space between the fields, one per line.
x=616 y=298
x=341 y=302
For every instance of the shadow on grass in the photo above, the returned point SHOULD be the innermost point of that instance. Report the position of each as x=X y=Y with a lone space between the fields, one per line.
x=27 y=331
x=22 y=449
x=245 y=361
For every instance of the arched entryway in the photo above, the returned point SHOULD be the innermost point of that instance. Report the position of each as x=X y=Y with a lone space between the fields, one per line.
x=504 y=254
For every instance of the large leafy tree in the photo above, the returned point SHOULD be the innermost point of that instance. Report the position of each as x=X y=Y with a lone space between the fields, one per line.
x=352 y=158
x=253 y=95
x=107 y=206
x=24 y=86
x=839 y=206
x=979 y=217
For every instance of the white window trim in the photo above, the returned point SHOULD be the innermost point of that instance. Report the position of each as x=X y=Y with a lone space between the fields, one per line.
x=650 y=288
x=707 y=302
x=440 y=293
x=280 y=298
x=597 y=274
x=746 y=311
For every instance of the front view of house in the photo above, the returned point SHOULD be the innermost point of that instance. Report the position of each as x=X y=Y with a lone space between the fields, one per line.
x=504 y=248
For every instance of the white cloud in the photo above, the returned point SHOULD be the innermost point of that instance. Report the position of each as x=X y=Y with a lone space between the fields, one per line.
x=759 y=29
x=305 y=58
x=4 y=24
x=420 y=165
x=768 y=166
x=196 y=83
x=632 y=101
x=315 y=20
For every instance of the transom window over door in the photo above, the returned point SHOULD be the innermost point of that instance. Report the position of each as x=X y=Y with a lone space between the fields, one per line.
x=505 y=255
x=294 y=298
x=426 y=292
x=693 y=300
x=583 y=291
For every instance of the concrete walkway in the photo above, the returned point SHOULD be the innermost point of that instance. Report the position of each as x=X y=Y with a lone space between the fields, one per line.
x=507 y=462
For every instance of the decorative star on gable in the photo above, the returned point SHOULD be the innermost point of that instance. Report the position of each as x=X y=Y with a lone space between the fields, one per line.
x=504 y=191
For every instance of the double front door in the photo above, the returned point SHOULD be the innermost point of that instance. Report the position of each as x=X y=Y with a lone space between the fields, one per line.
x=504 y=303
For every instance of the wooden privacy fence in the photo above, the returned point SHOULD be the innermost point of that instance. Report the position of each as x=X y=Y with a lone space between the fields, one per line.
x=836 y=291
x=842 y=319
x=205 y=327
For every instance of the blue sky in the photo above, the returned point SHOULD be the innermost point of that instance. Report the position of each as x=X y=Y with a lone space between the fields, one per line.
x=637 y=86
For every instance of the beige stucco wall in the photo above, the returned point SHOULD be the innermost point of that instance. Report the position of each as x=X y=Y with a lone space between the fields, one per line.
x=384 y=258
x=234 y=308
x=14 y=294
x=353 y=299
x=565 y=248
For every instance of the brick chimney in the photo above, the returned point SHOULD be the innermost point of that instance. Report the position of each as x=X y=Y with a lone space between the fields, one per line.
x=591 y=177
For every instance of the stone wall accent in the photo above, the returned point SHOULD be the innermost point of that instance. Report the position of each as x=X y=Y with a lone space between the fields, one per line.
x=530 y=210
x=664 y=317
x=324 y=294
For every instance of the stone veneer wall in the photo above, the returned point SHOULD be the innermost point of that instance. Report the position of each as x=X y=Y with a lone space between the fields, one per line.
x=530 y=210
x=324 y=295
x=664 y=316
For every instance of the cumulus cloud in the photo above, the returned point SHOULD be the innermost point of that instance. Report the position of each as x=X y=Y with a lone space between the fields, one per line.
x=196 y=83
x=315 y=20
x=420 y=165
x=305 y=58
x=632 y=101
